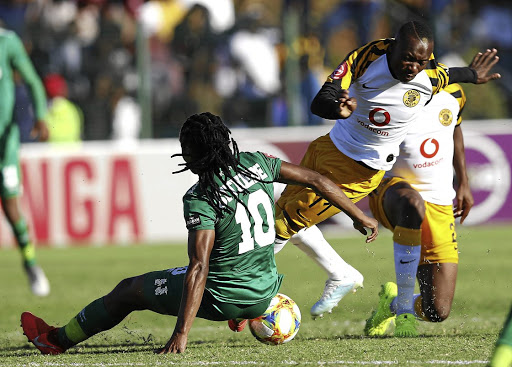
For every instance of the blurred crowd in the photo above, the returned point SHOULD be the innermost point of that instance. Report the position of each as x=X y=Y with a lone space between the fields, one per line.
x=254 y=62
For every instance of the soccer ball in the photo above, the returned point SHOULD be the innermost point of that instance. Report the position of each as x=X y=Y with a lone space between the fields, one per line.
x=280 y=322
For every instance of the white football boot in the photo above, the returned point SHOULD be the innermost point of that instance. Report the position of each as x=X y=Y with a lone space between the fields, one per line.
x=334 y=292
x=39 y=284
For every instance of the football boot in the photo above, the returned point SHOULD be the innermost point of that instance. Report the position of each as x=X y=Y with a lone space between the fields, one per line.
x=379 y=321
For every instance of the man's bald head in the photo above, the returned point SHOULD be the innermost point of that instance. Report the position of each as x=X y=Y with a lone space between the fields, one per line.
x=411 y=50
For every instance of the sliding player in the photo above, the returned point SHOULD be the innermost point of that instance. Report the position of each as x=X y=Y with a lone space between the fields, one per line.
x=232 y=272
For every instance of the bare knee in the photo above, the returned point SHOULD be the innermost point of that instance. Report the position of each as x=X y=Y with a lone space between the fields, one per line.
x=404 y=206
x=437 y=311
x=413 y=207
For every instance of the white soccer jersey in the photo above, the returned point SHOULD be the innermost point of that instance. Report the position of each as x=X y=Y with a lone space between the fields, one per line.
x=426 y=157
x=386 y=108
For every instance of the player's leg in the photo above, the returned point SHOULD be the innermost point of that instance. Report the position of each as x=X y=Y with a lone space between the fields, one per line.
x=437 y=286
x=437 y=273
x=342 y=277
x=405 y=209
x=100 y=315
x=10 y=189
x=502 y=355
x=398 y=207
x=159 y=291
x=301 y=207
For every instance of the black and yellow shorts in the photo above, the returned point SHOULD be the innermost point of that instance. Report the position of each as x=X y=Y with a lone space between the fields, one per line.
x=438 y=236
x=300 y=207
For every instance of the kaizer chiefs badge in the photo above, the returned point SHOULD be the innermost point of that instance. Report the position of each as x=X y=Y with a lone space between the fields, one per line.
x=411 y=98
x=445 y=117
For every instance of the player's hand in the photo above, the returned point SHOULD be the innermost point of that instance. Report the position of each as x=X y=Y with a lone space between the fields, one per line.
x=39 y=131
x=347 y=105
x=370 y=223
x=463 y=202
x=482 y=63
x=177 y=344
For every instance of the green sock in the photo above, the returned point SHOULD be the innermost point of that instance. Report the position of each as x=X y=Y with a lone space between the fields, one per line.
x=28 y=253
x=93 y=319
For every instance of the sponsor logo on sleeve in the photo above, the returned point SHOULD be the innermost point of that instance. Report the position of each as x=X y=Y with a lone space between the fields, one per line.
x=340 y=71
x=193 y=220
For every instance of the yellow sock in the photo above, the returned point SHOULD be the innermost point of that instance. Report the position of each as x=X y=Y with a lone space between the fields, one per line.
x=502 y=356
x=418 y=308
x=406 y=236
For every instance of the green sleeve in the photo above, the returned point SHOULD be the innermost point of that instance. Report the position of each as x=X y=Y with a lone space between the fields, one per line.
x=21 y=62
x=198 y=213
x=272 y=163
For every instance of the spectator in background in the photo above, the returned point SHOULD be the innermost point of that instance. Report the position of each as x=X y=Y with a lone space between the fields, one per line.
x=126 y=123
x=64 y=119
x=193 y=47
x=493 y=28
x=98 y=110
x=358 y=14
x=23 y=111
x=249 y=78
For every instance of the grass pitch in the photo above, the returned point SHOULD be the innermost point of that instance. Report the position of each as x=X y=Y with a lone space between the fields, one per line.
x=80 y=275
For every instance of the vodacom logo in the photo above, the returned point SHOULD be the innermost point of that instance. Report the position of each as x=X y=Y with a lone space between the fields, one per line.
x=379 y=116
x=434 y=142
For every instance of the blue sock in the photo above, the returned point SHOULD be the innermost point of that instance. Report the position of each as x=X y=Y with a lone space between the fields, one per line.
x=407 y=259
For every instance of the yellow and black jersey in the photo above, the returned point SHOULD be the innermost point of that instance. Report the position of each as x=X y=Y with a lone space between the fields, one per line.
x=386 y=107
x=456 y=91
x=426 y=155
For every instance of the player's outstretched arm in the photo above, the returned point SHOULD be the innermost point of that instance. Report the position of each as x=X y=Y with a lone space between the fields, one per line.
x=298 y=175
x=483 y=63
x=200 y=245
x=464 y=198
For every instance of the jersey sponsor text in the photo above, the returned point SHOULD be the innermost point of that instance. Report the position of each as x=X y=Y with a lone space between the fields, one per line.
x=372 y=129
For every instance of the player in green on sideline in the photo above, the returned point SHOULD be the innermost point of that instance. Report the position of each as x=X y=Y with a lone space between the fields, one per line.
x=13 y=57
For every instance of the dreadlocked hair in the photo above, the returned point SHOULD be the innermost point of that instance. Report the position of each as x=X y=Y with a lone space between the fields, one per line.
x=210 y=140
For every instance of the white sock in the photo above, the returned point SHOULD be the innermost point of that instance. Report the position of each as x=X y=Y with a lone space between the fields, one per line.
x=312 y=242
x=279 y=244
x=407 y=259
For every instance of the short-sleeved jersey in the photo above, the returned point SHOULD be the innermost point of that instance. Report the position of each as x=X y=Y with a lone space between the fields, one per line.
x=385 y=107
x=13 y=55
x=242 y=265
x=426 y=158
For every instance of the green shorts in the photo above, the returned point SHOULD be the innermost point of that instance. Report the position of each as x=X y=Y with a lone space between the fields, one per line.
x=10 y=177
x=163 y=289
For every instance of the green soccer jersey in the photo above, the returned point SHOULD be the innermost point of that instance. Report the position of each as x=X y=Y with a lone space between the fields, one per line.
x=13 y=55
x=242 y=265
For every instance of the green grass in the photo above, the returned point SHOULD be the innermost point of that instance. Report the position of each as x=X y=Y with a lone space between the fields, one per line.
x=79 y=275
